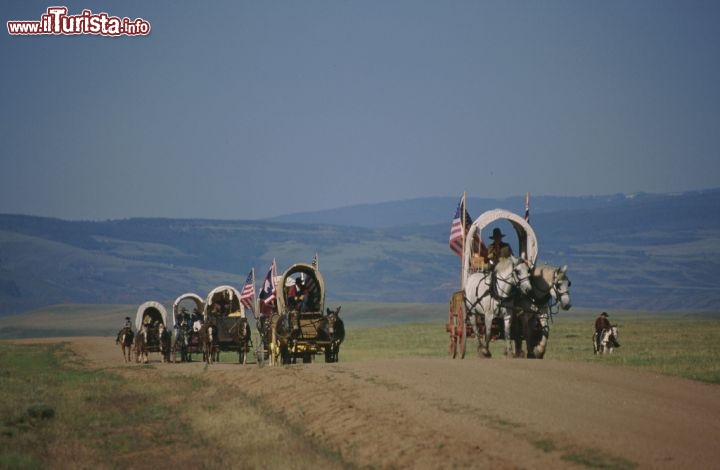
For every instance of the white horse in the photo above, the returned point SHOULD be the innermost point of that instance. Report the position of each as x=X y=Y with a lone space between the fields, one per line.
x=490 y=294
x=141 y=339
x=550 y=286
x=608 y=340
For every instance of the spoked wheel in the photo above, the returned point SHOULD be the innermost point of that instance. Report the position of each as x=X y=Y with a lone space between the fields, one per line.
x=456 y=326
x=451 y=328
x=462 y=334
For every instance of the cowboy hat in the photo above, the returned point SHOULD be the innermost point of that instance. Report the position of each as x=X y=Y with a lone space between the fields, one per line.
x=604 y=314
x=497 y=233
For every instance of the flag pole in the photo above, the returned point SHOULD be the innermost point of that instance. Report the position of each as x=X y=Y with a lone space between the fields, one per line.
x=527 y=207
x=254 y=299
x=464 y=233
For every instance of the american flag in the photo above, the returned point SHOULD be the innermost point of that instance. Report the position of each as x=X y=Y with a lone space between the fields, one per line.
x=456 y=229
x=269 y=288
x=309 y=282
x=247 y=296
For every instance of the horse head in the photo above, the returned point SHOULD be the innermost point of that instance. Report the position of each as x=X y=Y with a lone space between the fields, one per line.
x=561 y=287
x=336 y=327
x=510 y=273
x=522 y=275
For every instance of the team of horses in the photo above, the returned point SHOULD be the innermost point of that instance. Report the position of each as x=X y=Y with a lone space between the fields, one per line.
x=522 y=296
x=282 y=333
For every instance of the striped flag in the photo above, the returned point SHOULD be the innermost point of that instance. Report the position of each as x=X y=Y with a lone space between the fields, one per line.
x=247 y=295
x=269 y=288
x=309 y=283
x=459 y=227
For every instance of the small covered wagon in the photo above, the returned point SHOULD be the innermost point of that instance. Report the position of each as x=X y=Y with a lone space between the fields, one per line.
x=188 y=309
x=226 y=313
x=154 y=331
x=303 y=328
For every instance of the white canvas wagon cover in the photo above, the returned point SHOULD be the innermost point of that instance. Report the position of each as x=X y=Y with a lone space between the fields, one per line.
x=153 y=311
x=199 y=303
x=525 y=235
x=225 y=294
x=313 y=280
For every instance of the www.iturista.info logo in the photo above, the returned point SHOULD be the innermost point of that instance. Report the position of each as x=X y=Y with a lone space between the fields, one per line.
x=57 y=21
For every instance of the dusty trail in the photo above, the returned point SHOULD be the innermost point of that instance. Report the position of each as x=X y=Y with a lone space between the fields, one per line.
x=439 y=413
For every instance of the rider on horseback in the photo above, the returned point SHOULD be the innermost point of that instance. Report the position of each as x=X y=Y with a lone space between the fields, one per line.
x=602 y=323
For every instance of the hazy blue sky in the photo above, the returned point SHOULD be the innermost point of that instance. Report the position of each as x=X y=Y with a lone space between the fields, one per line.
x=247 y=109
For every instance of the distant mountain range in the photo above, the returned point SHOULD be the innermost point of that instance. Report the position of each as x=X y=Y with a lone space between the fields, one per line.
x=647 y=251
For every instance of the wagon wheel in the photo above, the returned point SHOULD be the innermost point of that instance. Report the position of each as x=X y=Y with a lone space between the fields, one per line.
x=456 y=325
x=462 y=334
x=451 y=328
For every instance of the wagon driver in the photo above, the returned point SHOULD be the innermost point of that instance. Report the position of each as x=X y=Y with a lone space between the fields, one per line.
x=498 y=249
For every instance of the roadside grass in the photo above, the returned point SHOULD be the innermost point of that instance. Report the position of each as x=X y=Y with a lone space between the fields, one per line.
x=55 y=414
x=679 y=345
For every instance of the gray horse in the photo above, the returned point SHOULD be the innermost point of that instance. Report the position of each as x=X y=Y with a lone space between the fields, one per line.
x=491 y=294
x=550 y=286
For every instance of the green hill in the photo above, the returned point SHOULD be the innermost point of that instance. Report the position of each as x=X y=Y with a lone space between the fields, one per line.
x=657 y=252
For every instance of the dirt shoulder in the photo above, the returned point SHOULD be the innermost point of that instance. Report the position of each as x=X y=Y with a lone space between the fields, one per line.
x=440 y=413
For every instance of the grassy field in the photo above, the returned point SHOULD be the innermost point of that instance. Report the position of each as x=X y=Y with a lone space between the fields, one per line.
x=671 y=344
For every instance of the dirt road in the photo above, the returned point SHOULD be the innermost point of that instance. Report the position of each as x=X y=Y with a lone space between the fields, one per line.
x=496 y=413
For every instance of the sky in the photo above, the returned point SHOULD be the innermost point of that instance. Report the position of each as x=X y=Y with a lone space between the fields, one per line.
x=252 y=109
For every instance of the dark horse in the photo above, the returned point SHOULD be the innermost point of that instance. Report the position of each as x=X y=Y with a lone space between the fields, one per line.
x=334 y=330
x=182 y=340
x=165 y=343
x=284 y=331
x=244 y=339
x=232 y=334
x=125 y=340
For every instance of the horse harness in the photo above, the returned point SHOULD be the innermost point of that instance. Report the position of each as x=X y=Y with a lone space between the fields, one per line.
x=490 y=280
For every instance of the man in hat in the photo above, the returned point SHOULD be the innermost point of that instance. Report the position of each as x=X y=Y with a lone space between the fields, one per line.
x=128 y=323
x=602 y=322
x=498 y=249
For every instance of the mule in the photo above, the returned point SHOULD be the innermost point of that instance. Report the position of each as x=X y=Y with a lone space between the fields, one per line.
x=165 y=340
x=284 y=330
x=333 y=330
x=550 y=287
x=244 y=340
x=125 y=339
x=232 y=334
x=491 y=294
x=181 y=343
x=608 y=340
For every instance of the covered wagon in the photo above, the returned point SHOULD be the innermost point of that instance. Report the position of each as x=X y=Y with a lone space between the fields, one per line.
x=226 y=313
x=302 y=328
x=530 y=289
x=188 y=309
